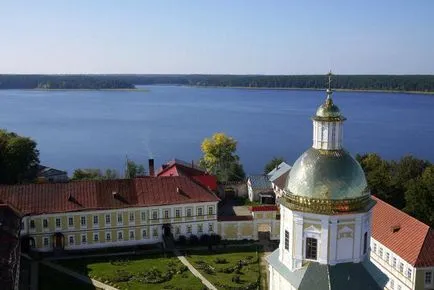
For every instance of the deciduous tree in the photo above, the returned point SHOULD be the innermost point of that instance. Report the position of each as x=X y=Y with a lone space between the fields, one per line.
x=273 y=164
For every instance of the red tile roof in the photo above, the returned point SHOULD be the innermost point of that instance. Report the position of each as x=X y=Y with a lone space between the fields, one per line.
x=98 y=194
x=264 y=208
x=409 y=238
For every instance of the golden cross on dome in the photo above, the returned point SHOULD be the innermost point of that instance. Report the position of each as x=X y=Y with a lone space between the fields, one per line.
x=330 y=80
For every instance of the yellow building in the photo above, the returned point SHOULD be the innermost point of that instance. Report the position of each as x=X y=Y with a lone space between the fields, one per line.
x=108 y=213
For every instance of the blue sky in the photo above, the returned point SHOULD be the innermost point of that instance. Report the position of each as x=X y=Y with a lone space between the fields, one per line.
x=234 y=37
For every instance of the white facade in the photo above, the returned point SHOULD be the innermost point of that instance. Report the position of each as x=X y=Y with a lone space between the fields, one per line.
x=339 y=239
x=328 y=135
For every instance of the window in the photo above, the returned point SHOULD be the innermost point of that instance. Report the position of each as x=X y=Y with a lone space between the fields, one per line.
x=155 y=215
x=120 y=236
x=57 y=222
x=119 y=218
x=143 y=216
x=375 y=248
x=45 y=223
x=155 y=232
x=392 y=284
x=286 y=240
x=107 y=219
x=46 y=242
x=32 y=224
x=166 y=214
x=311 y=248
x=188 y=212
x=95 y=237
x=189 y=229
x=177 y=213
x=380 y=252
x=83 y=239
x=132 y=235
x=210 y=210
x=199 y=211
x=428 y=278
x=210 y=228
x=108 y=236
x=71 y=221
x=365 y=241
x=131 y=217
x=387 y=258
x=144 y=234
x=83 y=221
x=199 y=228
x=71 y=240
x=95 y=219
x=401 y=267
x=394 y=262
x=409 y=273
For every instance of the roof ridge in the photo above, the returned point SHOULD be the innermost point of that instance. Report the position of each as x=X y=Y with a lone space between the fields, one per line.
x=401 y=211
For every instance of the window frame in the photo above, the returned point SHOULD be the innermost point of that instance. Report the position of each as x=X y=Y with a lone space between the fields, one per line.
x=311 y=252
x=83 y=218
x=83 y=239
x=132 y=235
x=428 y=274
x=120 y=218
x=189 y=212
x=131 y=217
x=286 y=240
x=45 y=223
x=177 y=213
x=60 y=223
x=109 y=235
x=70 y=224
x=210 y=210
x=95 y=218
x=47 y=239
x=108 y=219
x=95 y=235
x=71 y=237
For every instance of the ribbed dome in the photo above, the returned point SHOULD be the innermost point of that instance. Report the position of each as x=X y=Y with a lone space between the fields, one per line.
x=328 y=111
x=330 y=175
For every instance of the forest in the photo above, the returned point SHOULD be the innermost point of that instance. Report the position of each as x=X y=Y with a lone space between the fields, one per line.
x=404 y=83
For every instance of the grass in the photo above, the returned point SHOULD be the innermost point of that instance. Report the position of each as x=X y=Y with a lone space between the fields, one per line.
x=51 y=279
x=248 y=274
x=109 y=270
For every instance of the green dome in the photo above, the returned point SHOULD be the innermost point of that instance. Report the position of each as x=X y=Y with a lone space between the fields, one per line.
x=329 y=175
x=328 y=111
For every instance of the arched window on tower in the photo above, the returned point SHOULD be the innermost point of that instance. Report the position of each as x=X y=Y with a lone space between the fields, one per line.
x=365 y=243
x=311 y=248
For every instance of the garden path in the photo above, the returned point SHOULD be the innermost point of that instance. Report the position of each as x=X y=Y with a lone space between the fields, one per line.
x=80 y=277
x=194 y=271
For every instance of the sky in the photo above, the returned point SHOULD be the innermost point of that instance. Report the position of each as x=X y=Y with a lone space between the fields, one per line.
x=217 y=37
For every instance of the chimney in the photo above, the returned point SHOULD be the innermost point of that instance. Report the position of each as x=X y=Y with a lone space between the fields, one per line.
x=151 y=167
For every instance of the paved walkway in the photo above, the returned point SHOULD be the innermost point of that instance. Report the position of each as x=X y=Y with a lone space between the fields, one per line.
x=194 y=271
x=78 y=276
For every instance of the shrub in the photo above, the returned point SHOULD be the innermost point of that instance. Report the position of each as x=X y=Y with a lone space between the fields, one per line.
x=182 y=240
x=236 y=279
x=215 y=239
x=220 y=261
x=193 y=240
x=205 y=239
x=122 y=276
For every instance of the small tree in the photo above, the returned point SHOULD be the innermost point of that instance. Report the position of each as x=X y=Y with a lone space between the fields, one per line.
x=133 y=169
x=87 y=174
x=204 y=239
x=273 y=164
x=193 y=240
x=182 y=240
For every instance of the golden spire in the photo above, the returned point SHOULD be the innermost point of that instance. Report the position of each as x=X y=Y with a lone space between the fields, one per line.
x=329 y=90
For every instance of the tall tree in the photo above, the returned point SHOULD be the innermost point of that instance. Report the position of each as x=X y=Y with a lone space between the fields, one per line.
x=220 y=158
x=419 y=196
x=19 y=158
x=273 y=164
x=133 y=169
x=87 y=174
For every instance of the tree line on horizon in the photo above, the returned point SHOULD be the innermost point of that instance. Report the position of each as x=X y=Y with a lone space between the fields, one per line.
x=417 y=83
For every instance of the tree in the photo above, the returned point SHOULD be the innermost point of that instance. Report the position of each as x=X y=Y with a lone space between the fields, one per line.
x=133 y=169
x=111 y=174
x=19 y=158
x=220 y=159
x=87 y=174
x=419 y=196
x=273 y=164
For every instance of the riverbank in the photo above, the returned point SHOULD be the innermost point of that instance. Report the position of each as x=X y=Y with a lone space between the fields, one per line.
x=317 y=89
x=86 y=90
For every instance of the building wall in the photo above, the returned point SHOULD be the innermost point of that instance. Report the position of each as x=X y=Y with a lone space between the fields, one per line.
x=277 y=282
x=419 y=281
x=123 y=227
x=239 y=230
x=399 y=272
x=339 y=239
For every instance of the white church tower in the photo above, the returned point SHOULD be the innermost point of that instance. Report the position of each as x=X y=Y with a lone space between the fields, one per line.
x=325 y=214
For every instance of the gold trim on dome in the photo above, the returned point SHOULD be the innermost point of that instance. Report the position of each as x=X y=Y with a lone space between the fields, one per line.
x=327 y=206
x=329 y=119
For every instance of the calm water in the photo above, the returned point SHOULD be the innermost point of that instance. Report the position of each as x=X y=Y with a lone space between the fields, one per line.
x=99 y=128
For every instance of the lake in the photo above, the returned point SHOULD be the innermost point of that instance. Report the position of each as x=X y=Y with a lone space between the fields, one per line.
x=97 y=129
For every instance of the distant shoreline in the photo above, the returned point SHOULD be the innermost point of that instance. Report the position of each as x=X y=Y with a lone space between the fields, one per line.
x=316 y=89
x=127 y=90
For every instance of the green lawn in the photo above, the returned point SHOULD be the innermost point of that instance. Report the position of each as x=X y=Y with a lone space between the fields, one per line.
x=220 y=266
x=136 y=272
x=51 y=279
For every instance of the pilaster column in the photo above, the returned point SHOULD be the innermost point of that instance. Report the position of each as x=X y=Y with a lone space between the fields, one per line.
x=333 y=240
x=323 y=254
x=298 y=241
x=357 y=251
